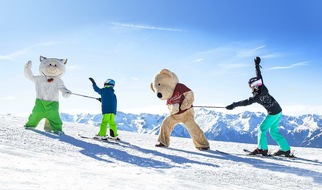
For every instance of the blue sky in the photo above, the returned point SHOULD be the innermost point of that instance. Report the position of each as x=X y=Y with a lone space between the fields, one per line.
x=209 y=44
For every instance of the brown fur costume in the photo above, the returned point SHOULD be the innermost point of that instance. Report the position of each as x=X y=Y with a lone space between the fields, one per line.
x=179 y=101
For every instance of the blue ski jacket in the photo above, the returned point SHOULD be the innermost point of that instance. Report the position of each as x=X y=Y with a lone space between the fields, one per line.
x=108 y=99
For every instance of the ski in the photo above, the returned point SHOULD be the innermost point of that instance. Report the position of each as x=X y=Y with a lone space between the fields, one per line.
x=113 y=139
x=108 y=140
x=246 y=154
x=222 y=152
x=101 y=140
x=269 y=156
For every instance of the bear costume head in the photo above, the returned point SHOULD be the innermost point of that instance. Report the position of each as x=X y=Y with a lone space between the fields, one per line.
x=52 y=67
x=164 y=84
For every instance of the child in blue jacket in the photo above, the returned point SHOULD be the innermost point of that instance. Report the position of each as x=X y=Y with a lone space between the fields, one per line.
x=109 y=105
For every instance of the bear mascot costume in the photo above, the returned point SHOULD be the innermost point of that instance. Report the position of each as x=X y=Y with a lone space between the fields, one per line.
x=48 y=84
x=179 y=100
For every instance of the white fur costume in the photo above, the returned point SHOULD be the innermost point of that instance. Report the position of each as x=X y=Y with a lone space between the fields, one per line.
x=52 y=70
x=48 y=85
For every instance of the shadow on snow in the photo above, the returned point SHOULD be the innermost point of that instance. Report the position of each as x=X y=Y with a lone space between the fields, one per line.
x=98 y=152
x=262 y=164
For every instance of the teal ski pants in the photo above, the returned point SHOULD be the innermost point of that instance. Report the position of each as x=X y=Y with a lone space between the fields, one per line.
x=45 y=109
x=271 y=123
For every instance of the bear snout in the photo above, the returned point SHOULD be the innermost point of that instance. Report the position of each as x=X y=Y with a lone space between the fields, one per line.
x=159 y=95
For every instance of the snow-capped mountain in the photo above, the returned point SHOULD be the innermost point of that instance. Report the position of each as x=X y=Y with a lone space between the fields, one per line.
x=305 y=130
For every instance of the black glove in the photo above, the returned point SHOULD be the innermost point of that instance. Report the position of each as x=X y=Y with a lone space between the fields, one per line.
x=92 y=80
x=257 y=60
x=231 y=106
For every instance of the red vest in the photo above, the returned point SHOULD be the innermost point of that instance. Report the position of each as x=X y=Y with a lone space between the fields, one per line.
x=178 y=97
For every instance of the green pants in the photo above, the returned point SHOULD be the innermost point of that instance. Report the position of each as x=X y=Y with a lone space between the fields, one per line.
x=108 y=119
x=271 y=123
x=45 y=109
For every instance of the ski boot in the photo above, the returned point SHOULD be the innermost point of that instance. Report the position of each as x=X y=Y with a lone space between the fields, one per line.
x=59 y=132
x=101 y=138
x=203 y=148
x=113 y=137
x=259 y=151
x=160 y=145
x=283 y=153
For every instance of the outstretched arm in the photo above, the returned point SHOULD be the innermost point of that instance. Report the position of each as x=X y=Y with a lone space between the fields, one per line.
x=65 y=92
x=246 y=102
x=257 y=61
x=95 y=87
x=28 y=72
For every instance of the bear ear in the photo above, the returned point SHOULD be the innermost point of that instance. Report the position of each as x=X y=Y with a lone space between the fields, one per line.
x=170 y=74
x=151 y=85
x=64 y=61
x=167 y=72
x=42 y=58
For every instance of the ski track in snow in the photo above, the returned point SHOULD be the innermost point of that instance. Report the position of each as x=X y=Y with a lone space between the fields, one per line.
x=34 y=159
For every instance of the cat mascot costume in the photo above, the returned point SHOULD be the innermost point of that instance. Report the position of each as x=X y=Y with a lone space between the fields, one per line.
x=48 y=84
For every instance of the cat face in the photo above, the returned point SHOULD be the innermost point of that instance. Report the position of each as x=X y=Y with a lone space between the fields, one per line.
x=52 y=67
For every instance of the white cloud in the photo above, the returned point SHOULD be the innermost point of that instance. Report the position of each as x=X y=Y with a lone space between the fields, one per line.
x=22 y=52
x=290 y=66
x=251 y=52
x=271 y=55
x=7 y=98
x=198 y=60
x=146 y=27
x=14 y=55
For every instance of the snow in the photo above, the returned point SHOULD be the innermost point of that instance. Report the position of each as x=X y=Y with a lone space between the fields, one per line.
x=34 y=159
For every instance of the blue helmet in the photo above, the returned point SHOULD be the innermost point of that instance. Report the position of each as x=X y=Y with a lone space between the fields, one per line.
x=109 y=82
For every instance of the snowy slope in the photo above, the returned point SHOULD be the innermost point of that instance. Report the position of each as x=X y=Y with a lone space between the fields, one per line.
x=40 y=160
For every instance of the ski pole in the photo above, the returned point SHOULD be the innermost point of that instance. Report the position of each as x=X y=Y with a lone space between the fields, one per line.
x=209 y=107
x=85 y=96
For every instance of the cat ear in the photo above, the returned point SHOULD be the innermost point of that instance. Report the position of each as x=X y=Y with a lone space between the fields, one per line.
x=63 y=61
x=42 y=58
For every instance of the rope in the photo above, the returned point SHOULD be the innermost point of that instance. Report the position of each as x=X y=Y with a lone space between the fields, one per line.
x=85 y=96
x=209 y=107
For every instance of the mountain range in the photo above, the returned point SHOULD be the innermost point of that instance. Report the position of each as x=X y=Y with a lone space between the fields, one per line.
x=302 y=131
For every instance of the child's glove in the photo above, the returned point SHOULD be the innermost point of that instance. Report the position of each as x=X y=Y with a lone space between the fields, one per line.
x=92 y=80
x=231 y=106
x=257 y=60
